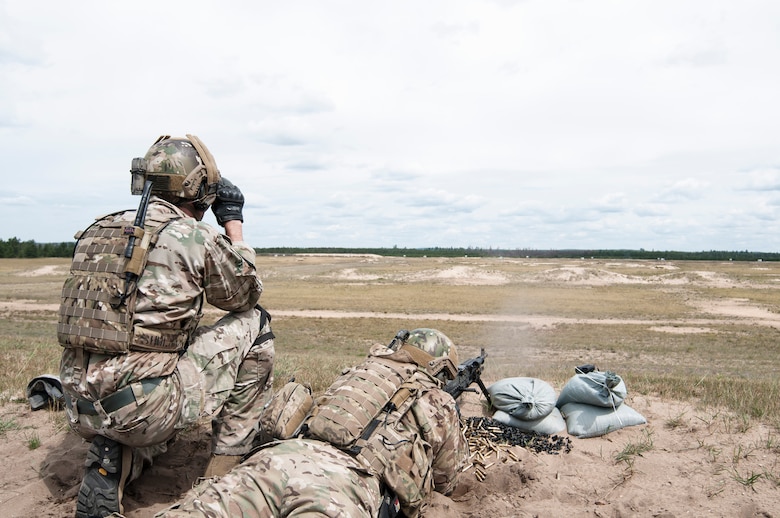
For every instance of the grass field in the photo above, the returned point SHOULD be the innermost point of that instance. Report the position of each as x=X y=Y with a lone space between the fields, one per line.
x=708 y=332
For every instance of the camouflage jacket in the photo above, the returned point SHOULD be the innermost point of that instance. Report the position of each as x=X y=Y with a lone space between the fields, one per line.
x=191 y=263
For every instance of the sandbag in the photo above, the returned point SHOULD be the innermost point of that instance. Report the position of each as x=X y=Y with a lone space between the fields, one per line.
x=528 y=399
x=585 y=421
x=550 y=424
x=605 y=389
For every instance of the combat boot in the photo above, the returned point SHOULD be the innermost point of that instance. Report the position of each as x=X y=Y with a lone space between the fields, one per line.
x=107 y=467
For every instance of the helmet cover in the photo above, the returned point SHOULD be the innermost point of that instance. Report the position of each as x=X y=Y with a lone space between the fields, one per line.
x=435 y=343
x=177 y=169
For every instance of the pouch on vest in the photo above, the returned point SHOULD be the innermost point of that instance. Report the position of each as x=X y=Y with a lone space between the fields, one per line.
x=284 y=413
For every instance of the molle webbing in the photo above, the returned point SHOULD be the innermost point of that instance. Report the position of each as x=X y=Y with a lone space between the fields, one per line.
x=356 y=399
x=361 y=414
x=398 y=455
x=98 y=296
x=93 y=335
x=141 y=339
x=91 y=315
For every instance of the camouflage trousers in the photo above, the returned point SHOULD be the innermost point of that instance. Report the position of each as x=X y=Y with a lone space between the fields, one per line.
x=224 y=375
x=296 y=477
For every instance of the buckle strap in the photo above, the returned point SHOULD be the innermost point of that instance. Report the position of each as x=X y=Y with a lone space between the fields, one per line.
x=118 y=399
x=264 y=338
x=265 y=318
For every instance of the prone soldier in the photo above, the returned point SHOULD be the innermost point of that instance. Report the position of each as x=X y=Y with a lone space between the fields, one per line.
x=377 y=443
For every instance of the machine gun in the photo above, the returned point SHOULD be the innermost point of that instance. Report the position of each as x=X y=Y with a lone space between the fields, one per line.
x=470 y=371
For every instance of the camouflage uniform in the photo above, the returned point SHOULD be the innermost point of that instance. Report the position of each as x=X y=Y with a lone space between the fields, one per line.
x=305 y=476
x=225 y=368
x=292 y=477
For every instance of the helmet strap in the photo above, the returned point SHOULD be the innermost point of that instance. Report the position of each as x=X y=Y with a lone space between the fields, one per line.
x=428 y=362
x=419 y=356
x=201 y=181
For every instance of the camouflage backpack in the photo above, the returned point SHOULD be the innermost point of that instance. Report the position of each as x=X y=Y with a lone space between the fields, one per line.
x=360 y=413
x=355 y=399
x=98 y=303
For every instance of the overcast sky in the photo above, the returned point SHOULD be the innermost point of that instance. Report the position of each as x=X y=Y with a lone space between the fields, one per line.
x=507 y=124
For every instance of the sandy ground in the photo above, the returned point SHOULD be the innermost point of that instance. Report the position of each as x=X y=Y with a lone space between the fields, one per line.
x=701 y=463
x=688 y=472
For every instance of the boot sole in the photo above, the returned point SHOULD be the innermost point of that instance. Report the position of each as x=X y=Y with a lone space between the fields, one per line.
x=101 y=489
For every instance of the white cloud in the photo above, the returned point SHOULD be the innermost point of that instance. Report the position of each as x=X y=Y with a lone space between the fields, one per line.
x=610 y=202
x=763 y=179
x=683 y=190
x=539 y=123
x=16 y=200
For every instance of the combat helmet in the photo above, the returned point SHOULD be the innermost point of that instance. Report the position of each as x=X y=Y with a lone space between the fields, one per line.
x=435 y=343
x=181 y=169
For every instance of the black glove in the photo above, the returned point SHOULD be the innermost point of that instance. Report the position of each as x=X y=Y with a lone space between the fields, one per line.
x=229 y=202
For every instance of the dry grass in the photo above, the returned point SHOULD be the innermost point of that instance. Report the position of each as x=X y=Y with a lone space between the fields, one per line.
x=619 y=315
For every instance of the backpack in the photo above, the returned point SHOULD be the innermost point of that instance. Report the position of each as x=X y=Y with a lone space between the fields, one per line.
x=360 y=412
x=98 y=298
x=355 y=400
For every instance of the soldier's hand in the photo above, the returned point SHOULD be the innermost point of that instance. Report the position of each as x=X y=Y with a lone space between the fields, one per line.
x=229 y=203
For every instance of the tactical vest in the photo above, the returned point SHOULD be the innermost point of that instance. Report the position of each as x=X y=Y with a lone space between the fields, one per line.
x=98 y=304
x=360 y=413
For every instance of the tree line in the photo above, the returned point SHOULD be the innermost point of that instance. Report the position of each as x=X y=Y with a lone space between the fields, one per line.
x=709 y=255
x=15 y=248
